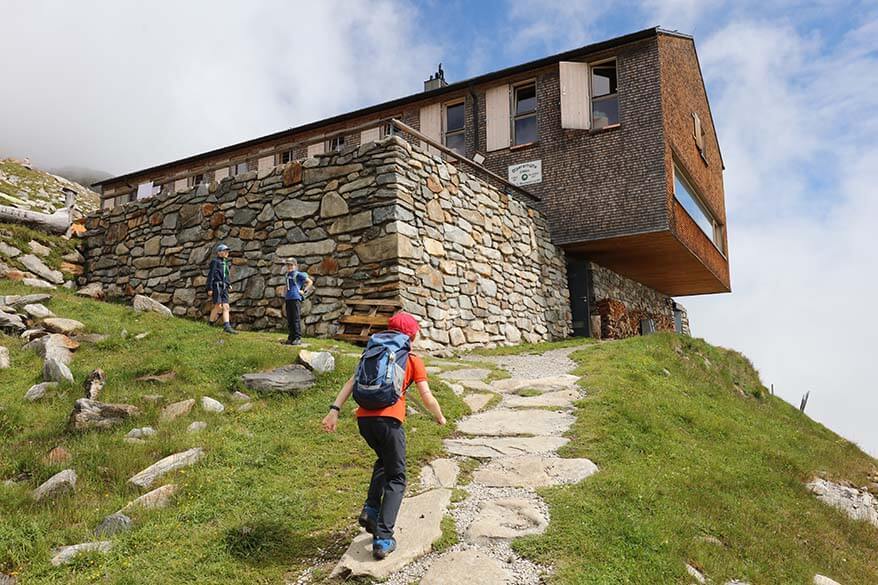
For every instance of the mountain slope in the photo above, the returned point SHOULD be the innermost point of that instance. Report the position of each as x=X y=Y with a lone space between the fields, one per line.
x=25 y=187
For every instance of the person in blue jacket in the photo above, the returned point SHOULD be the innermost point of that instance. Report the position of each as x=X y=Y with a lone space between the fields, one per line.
x=219 y=285
x=297 y=286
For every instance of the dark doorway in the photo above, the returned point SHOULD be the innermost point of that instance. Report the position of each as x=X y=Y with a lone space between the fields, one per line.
x=579 y=284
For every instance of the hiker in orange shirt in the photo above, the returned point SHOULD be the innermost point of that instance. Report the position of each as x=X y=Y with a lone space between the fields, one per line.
x=386 y=370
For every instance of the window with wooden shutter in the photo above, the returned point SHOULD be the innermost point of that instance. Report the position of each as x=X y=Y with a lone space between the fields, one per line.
x=266 y=162
x=497 y=119
x=604 y=95
x=220 y=174
x=316 y=148
x=574 y=95
x=370 y=135
x=431 y=124
x=180 y=185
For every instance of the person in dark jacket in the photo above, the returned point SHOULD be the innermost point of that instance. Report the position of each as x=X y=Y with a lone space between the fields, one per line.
x=297 y=286
x=219 y=285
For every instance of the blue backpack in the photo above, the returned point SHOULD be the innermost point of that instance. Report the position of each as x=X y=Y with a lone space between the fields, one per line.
x=381 y=371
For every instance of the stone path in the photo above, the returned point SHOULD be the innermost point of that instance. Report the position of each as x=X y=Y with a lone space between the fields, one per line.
x=515 y=444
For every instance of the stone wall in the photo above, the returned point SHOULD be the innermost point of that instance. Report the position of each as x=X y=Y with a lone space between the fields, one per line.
x=619 y=304
x=381 y=220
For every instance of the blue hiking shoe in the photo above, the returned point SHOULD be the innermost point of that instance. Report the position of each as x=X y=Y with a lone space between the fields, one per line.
x=381 y=547
x=368 y=519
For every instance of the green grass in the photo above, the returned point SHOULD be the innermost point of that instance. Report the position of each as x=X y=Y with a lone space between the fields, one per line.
x=20 y=185
x=704 y=452
x=18 y=235
x=272 y=491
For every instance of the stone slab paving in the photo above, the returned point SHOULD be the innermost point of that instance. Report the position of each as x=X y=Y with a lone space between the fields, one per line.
x=546 y=384
x=505 y=422
x=477 y=401
x=466 y=566
x=418 y=526
x=533 y=471
x=488 y=447
x=556 y=398
x=440 y=473
x=466 y=374
x=506 y=518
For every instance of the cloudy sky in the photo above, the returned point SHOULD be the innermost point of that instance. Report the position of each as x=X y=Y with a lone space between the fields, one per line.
x=793 y=85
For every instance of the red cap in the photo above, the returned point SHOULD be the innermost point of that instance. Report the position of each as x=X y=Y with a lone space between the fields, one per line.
x=404 y=323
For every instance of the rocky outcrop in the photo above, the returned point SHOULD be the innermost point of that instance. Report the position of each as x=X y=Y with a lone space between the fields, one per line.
x=856 y=503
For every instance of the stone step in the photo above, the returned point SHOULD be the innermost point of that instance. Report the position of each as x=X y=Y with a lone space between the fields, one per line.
x=418 y=526
x=501 y=422
x=477 y=401
x=532 y=471
x=547 y=384
x=466 y=566
x=488 y=447
x=440 y=473
x=555 y=398
x=505 y=519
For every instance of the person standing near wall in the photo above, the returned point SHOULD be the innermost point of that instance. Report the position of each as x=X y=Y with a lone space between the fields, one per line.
x=298 y=284
x=218 y=287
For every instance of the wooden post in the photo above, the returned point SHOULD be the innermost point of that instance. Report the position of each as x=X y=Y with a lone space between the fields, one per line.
x=804 y=401
x=772 y=389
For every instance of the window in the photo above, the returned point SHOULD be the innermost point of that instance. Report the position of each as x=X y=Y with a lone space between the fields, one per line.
x=388 y=129
x=239 y=168
x=196 y=180
x=604 y=95
x=336 y=144
x=524 y=114
x=698 y=134
x=455 y=137
x=685 y=194
x=284 y=157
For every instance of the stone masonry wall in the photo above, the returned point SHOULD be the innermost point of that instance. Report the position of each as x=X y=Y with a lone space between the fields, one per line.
x=620 y=303
x=359 y=223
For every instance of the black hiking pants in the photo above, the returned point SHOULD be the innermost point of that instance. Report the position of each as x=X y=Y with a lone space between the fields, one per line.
x=386 y=437
x=294 y=321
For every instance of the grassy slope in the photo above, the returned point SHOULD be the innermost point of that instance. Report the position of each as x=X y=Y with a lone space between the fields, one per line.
x=26 y=184
x=272 y=490
x=686 y=456
x=18 y=235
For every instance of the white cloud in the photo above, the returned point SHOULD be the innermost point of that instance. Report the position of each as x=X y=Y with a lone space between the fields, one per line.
x=122 y=85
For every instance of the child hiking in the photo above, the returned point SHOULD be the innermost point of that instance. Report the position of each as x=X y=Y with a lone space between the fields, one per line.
x=386 y=370
x=297 y=285
x=218 y=286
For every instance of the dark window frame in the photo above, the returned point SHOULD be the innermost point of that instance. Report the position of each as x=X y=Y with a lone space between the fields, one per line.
x=339 y=143
x=613 y=96
x=517 y=116
x=717 y=229
x=457 y=132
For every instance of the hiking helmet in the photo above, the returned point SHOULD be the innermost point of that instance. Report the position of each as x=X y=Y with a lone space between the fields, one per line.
x=222 y=248
x=404 y=323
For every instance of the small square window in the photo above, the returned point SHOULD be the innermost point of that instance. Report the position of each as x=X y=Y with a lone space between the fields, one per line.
x=196 y=180
x=604 y=95
x=336 y=144
x=524 y=122
x=388 y=130
x=285 y=157
x=239 y=168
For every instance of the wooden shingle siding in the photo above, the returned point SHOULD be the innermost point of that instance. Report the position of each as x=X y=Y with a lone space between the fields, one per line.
x=498 y=125
x=431 y=124
x=574 y=95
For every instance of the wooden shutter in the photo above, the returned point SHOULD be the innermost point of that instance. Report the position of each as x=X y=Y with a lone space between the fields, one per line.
x=317 y=148
x=431 y=124
x=498 y=122
x=220 y=174
x=698 y=132
x=575 y=103
x=266 y=162
x=180 y=185
x=370 y=135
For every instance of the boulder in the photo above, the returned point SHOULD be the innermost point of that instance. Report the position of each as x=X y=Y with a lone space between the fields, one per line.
x=113 y=524
x=65 y=554
x=290 y=379
x=320 y=362
x=4 y=357
x=55 y=370
x=39 y=268
x=91 y=414
x=38 y=391
x=59 y=484
x=466 y=566
x=418 y=526
x=143 y=303
x=209 y=404
x=177 y=409
x=533 y=471
x=857 y=504
x=157 y=498
x=63 y=326
x=148 y=476
x=37 y=311
x=54 y=345
x=93 y=290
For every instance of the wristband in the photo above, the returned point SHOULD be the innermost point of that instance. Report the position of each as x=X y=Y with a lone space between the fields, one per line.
x=335 y=408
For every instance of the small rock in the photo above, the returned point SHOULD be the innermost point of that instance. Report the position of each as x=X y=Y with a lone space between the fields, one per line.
x=143 y=303
x=157 y=498
x=505 y=519
x=94 y=383
x=240 y=397
x=38 y=391
x=9 y=251
x=91 y=414
x=92 y=290
x=64 y=326
x=821 y=580
x=91 y=337
x=73 y=257
x=61 y=483
x=141 y=433
x=56 y=371
x=11 y=321
x=695 y=573
x=39 y=268
x=155 y=398
x=31 y=334
x=4 y=357
x=37 y=311
x=37 y=283
x=140 y=336
x=65 y=554
x=197 y=426
x=208 y=404
x=320 y=362
x=666 y=372
x=113 y=524
x=39 y=249
x=246 y=407
x=8 y=579
x=57 y=455
x=133 y=441
x=170 y=463
x=177 y=409
x=54 y=345
x=290 y=379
